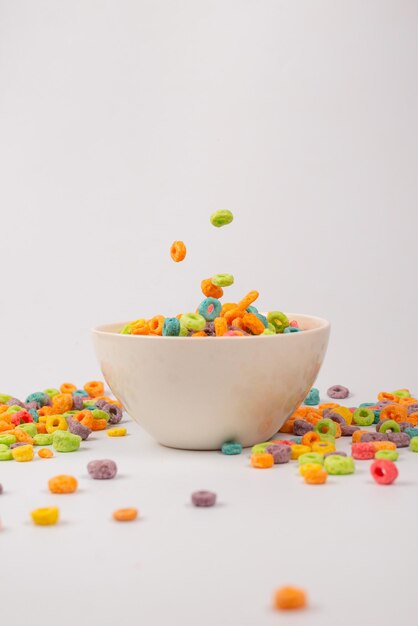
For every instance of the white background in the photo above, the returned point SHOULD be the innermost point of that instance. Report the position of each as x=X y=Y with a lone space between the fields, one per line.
x=123 y=125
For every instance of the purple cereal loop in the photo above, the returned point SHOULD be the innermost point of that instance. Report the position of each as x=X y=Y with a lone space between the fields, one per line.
x=335 y=452
x=404 y=425
x=338 y=392
x=100 y=403
x=400 y=439
x=15 y=402
x=76 y=428
x=102 y=469
x=210 y=329
x=301 y=427
x=280 y=453
x=18 y=443
x=347 y=431
x=380 y=405
x=114 y=412
x=412 y=408
x=366 y=437
x=336 y=417
x=203 y=498
x=78 y=403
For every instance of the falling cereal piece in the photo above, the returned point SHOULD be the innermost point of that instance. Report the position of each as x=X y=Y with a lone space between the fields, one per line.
x=289 y=598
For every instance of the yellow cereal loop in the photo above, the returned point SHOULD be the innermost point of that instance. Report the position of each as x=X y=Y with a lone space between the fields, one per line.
x=23 y=453
x=116 y=432
x=46 y=516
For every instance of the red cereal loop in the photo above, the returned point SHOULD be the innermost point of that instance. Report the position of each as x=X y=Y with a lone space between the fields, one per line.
x=384 y=472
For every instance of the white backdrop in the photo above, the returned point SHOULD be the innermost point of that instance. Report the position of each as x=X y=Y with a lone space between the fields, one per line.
x=125 y=124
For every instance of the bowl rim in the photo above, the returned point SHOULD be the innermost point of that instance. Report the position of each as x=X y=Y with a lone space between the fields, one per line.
x=322 y=324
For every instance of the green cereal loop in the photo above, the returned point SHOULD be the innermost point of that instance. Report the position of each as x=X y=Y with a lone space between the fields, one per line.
x=6 y=455
x=3 y=447
x=390 y=425
x=14 y=409
x=339 y=465
x=279 y=320
x=326 y=437
x=271 y=327
x=193 y=321
x=89 y=403
x=267 y=331
x=4 y=398
x=28 y=428
x=402 y=393
x=329 y=424
x=98 y=414
x=8 y=440
x=413 y=444
x=259 y=448
x=63 y=441
x=222 y=280
x=363 y=417
x=183 y=331
x=126 y=330
x=311 y=457
x=221 y=218
x=389 y=455
x=51 y=392
x=43 y=439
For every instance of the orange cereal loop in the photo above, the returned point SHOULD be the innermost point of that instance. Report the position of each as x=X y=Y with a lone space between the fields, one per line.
x=383 y=445
x=232 y=314
x=357 y=435
x=62 y=484
x=125 y=515
x=68 y=388
x=110 y=401
x=407 y=401
x=309 y=438
x=395 y=412
x=412 y=419
x=199 y=333
x=312 y=417
x=3 y=408
x=210 y=290
x=178 y=251
x=94 y=388
x=238 y=323
x=140 y=327
x=45 y=453
x=316 y=476
x=385 y=395
x=337 y=430
x=288 y=598
x=41 y=428
x=97 y=424
x=302 y=410
x=262 y=460
x=248 y=299
x=88 y=419
x=220 y=326
x=253 y=323
x=22 y=436
x=46 y=410
x=287 y=426
x=228 y=306
x=61 y=403
x=4 y=426
x=155 y=324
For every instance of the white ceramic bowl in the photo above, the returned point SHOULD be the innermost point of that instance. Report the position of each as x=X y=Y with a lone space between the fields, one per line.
x=198 y=393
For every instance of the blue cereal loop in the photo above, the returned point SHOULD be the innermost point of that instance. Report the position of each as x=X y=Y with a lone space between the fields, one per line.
x=35 y=415
x=312 y=398
x=80 y=392
x=210 y=303
x=296 y=439
x=39 y=397
x=171 y=327
x=231 y=447
x=291 y=329
x=261 y=317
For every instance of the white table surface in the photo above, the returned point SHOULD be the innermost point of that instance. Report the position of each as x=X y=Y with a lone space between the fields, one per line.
x=349 y=543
